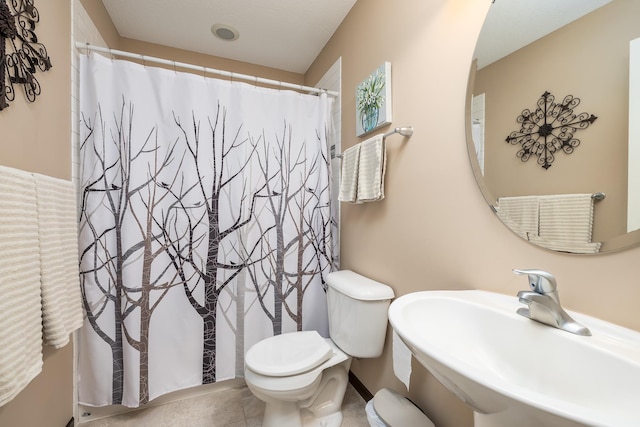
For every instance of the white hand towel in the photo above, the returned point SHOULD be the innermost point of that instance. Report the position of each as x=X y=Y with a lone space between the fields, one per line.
x=513 y=226
x=349 y=174
x=566 y=217
x=401 y=360
x=58 y=231
x=371 y=170
x=523 y=210
x=20 y=305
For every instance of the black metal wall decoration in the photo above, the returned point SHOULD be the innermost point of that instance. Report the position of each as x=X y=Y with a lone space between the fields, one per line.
x=549 y=128
x=25 y=55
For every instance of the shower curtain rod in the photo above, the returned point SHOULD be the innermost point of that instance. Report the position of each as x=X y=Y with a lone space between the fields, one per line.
x=205 y=70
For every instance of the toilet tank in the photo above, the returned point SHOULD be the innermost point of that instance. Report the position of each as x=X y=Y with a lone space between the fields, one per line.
x=357 y=309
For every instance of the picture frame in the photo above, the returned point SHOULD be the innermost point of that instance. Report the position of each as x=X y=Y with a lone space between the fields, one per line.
x=373 y=100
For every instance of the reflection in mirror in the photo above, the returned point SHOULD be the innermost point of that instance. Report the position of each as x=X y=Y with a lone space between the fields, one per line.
x=577 y=48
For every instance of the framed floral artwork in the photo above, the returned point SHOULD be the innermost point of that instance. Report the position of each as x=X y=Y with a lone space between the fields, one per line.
x=373 y=100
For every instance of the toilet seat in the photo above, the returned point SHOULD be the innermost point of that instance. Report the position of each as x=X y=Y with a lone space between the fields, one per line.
x=297 y=381
x=288 y=354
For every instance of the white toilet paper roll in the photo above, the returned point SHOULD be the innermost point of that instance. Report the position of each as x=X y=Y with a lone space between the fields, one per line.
x=401 y=360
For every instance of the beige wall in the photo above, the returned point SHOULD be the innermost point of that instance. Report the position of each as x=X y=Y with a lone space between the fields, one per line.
x=588 y=59
x=179 y=55
x=35 y=137
x=434 y=229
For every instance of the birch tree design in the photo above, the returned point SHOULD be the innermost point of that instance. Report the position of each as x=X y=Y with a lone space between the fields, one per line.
x=112 y=198
x=223 y=147
x=297 y=223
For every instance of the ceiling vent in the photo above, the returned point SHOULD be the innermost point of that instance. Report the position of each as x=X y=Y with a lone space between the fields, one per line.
x=225 y=32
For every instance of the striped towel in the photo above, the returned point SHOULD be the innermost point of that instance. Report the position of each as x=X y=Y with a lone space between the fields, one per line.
x=566 y=217
x=58 y=231
x=371 y=170
x=349 y=174
x=511 y=224
x=522 y=210
x=20 y=304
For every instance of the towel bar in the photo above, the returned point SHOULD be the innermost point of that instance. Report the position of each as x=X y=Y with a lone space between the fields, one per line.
x=595 y=196
x=404 y=131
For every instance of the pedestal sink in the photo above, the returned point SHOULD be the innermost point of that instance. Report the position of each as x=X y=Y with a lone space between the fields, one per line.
x=516 y=372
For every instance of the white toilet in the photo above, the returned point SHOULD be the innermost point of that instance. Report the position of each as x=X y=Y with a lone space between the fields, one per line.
x=301 y=376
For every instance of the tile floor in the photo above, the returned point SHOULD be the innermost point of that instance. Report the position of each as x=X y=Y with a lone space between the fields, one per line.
x=230 y=407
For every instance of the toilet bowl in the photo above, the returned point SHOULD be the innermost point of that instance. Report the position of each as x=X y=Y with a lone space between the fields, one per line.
x=309 y=395
x=301 y=376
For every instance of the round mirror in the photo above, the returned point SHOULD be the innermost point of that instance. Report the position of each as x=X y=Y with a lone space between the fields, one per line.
x=548 y=130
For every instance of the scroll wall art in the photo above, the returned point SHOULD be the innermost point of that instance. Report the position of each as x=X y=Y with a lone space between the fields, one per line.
x=21 y=54
x=549 y=128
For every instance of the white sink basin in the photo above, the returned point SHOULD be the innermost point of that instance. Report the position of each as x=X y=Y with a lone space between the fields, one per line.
x=516 y=372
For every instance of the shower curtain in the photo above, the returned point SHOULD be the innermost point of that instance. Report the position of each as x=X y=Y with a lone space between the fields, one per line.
x=205 y=226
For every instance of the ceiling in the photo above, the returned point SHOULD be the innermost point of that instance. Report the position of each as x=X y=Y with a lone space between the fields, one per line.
x=512 y=24
x=282 y=34
x=289 y=34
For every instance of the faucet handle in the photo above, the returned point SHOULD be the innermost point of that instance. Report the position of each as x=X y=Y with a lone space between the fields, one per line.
x=540 y=281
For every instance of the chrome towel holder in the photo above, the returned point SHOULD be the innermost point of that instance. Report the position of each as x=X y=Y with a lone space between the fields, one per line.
x=404 y=131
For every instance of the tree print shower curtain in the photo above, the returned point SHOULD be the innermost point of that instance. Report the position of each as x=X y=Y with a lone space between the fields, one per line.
x=205 y=226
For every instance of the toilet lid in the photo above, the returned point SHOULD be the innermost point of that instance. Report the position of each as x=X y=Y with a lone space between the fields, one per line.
x=288 y=354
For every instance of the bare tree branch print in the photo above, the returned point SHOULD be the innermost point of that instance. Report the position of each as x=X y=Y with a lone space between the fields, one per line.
x=107 y=259
x=224 y=169
x=290 y=234
x=310 y=217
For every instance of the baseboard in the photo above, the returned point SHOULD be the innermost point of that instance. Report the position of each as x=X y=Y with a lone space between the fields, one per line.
x=359 y=387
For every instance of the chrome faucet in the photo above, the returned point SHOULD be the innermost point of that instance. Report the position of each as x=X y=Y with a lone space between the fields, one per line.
x=544 y=303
